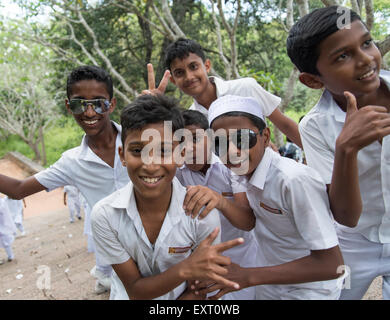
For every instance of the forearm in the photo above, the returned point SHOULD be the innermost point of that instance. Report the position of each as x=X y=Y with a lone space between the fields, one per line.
x=148 y=288
x=306 y=269
x=240 y=216
x=287 y=126
x=18 y=189
x=344 y=192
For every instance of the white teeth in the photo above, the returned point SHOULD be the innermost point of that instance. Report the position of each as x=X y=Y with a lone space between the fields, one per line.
x=368 y=74
x=151 y=180
x=90 y=122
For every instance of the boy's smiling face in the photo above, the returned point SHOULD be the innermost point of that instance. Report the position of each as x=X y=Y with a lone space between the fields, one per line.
x=90 y=121
x=190 y=74
x=349 y=61
x=151 y=178
x=250 y=158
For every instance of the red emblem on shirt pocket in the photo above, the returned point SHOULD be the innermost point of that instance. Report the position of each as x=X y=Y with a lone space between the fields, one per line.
x=275 y=211
x=173 y=250
x=227 y=194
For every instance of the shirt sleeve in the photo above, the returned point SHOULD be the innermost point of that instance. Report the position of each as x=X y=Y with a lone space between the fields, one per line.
x=306 y=197
x=268 y=101
x=107 y=244
x=57 y=175
x=318 y=154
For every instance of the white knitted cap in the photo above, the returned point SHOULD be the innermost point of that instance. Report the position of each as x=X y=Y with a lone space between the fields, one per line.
x=231 y=103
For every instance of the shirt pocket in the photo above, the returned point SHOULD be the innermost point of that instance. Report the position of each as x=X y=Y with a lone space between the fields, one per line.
x=174 y=253
x=275 y=220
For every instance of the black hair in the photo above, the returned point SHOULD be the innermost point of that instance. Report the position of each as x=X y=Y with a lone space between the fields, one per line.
x=181 y=49
x=256 y=121
x=149 y=109
x=306 y=35
x=89 y=73
x=197 y=118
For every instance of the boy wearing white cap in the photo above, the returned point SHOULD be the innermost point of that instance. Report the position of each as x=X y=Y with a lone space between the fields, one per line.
x=301 y=258
x=210 y=183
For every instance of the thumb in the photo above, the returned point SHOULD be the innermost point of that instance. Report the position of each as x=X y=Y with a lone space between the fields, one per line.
x=351 y=102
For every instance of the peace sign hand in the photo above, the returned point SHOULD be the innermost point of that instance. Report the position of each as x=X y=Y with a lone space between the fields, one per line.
x=152 y=84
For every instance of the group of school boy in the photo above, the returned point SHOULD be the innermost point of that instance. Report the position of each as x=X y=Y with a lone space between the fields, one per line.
x=243 y=222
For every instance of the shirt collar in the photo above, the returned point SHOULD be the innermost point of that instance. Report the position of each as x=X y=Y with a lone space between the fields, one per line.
x=328 y=105
x=259 y=176
x=125 y=199
x=221 y=88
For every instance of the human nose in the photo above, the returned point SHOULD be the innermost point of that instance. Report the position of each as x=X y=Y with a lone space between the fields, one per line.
x=365 y=57
x=90 y=110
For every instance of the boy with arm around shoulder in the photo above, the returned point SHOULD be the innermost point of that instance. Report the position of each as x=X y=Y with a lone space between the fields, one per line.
x=346 y=136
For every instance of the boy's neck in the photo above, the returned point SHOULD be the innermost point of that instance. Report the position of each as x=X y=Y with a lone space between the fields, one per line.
x=104 y=139
x=208 y=96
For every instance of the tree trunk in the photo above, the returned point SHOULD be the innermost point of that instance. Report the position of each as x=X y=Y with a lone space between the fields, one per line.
x=42 y=140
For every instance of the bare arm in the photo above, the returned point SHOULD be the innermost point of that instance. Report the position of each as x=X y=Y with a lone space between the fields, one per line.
x=288 y=126
x=19 y=189
x=320 y=265
x=361 y=128
x=206 y=262
x=238 y=212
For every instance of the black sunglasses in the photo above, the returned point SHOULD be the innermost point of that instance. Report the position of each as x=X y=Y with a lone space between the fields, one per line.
x=243 y=139
x=78 y=106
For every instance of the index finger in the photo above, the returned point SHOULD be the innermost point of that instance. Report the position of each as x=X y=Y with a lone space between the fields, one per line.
x=164 y=82
x=228 y=244
x=151 y=80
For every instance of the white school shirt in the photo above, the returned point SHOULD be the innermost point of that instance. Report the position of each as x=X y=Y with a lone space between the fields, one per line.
x=82 y=168
x=243 y=87
x=7 y=225
x=319 y=130
x=292 y=212
x=119 y=235
x=222 y=180
x=15 y=208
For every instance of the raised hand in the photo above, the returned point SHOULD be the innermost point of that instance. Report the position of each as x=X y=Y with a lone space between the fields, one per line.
x=152 y=84
x=363 y=126
x=199 y=196
x=207 y=262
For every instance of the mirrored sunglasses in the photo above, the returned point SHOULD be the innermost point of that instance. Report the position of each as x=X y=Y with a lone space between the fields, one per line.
x=79 y=106
x=243 y=139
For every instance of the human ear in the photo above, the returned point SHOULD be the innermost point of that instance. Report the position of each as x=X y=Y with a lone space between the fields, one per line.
x=207 y=64
x=112 y=104
x=67 y=106
x=121 y=155
x=310 y=80
x=266 y=136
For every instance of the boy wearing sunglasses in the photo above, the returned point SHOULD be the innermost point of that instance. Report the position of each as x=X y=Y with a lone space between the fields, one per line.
x=300 y=256
x=94 y=167
x=210 y=184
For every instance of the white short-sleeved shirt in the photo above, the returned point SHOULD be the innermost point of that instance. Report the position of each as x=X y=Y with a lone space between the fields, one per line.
x=82 y=168
x=15 y=208
x=7 y=225
x=292 y=212
x=319 y=130
x=72 y=193
x=119 y=235
x=222 y=180
x=244 y=87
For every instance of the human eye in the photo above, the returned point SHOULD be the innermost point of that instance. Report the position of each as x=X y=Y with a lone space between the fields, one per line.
x=135 y=150
x=367 y=43
x=178 y=73
x=341 y=57
x=193 y=66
